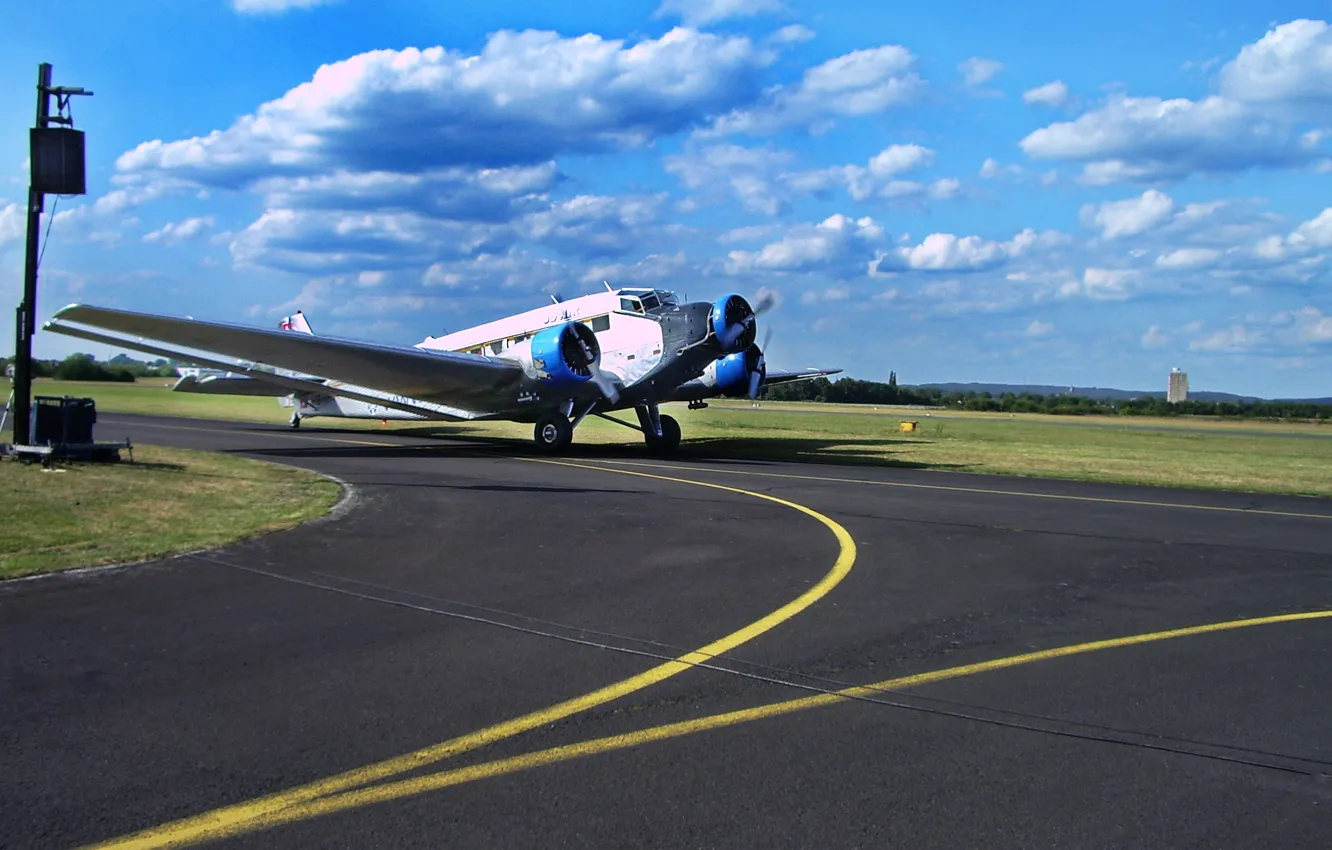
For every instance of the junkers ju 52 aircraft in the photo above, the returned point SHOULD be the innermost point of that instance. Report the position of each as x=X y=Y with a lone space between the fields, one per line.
x=552 y=366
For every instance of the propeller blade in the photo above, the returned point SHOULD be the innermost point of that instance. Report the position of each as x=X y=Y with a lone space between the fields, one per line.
x=604 y=382
x=737 y=330
x=754 y=379
x=764 y=304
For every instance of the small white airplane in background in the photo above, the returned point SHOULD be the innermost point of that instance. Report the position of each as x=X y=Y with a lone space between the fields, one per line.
x=552 y=366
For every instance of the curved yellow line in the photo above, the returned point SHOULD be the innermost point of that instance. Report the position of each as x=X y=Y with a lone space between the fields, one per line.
x=459 y=776
x=239 y=817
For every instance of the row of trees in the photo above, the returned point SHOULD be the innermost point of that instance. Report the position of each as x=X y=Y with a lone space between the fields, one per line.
x=85 y=367
x=852 y=391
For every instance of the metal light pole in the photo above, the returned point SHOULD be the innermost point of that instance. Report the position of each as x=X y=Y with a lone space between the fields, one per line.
x=57 y=166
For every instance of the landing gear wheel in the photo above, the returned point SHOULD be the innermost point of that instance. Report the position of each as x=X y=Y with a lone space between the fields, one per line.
x=553 y=434
x=670 y=437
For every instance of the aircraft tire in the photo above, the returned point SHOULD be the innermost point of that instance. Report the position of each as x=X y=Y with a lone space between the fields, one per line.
x=670 y=437
x=553 y=434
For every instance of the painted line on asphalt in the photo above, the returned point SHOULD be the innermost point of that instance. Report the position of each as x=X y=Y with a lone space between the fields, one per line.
x=958 y=489
x=237 y=818
x=444 y=779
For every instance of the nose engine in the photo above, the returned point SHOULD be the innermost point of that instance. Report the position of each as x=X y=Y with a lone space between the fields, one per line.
x=733 y=323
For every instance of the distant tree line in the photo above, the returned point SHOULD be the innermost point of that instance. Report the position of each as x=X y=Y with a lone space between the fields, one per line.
x=85 y=367
x=853 y=391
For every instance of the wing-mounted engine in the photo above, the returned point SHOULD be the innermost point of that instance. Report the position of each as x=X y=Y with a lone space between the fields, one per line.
x=733 y=323
x=564 y=357
x=739 y=374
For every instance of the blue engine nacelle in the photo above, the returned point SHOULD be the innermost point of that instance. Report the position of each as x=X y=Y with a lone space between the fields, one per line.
x=742 y=373
x=565 y=354
x=733 y=323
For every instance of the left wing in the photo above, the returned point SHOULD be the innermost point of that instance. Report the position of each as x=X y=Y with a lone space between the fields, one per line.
x=448 y=384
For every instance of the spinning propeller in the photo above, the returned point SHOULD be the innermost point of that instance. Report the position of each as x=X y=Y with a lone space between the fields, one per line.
x=592 y=363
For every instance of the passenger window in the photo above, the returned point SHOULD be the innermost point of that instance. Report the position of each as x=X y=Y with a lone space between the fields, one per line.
x=496 y=346
x=600 y=323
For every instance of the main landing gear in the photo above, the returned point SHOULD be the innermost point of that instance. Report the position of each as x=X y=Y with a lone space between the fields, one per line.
x=553 y=434
x=295 y=420
x=661 y=433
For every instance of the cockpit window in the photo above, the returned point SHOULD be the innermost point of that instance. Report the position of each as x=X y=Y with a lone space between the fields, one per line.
x=631 y=305
x=650 y=302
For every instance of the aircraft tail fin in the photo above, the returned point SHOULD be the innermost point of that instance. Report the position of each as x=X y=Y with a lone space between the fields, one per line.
x=296 y=322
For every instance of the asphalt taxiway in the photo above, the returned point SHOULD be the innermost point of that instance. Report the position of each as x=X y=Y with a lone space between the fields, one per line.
x=488 y=647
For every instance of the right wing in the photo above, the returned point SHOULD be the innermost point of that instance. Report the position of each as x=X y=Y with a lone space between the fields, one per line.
x=453 y=384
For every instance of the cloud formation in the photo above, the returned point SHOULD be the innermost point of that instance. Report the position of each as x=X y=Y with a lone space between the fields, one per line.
x=1262 y=116
x=1051 y=94
x=838 y=243
x=978 y=70
x=863 y=82
x=268 y=7
x=700 y=13
x=527 y=97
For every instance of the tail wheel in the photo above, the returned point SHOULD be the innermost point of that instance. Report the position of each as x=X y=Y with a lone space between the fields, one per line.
x=553 y=434
x=669 y=439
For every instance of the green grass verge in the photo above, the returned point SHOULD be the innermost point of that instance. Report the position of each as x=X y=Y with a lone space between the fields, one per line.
x=1184 y=452
x=166 y=501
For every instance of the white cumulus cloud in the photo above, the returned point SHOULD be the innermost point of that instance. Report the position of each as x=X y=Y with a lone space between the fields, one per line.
x=1155 y=338
x=254 y=7
x=700 y=13
x=948 y=252
x=1102 y=284
x=837 y=242
x=1291 y=63
x=1051 y=94
x=173 y=233
x=525 y=98
x=863 y=82
x=978 y=69
x=1236 y=339
x=1258 y=118
x=1129 y=217
x=13 y=224
x=1188 y=259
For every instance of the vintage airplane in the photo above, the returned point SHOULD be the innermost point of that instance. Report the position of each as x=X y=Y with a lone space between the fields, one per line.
x=552 y=366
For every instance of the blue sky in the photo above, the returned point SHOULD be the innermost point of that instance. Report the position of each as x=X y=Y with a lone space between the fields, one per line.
x=952 y=191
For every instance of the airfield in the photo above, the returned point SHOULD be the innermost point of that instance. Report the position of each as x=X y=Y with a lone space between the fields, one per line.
x=483 y=646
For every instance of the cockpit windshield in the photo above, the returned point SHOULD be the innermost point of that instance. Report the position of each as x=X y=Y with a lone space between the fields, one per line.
x=643 y=301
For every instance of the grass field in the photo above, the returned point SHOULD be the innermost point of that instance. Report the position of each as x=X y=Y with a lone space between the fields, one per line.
x=166 y=501
x=1187 y=452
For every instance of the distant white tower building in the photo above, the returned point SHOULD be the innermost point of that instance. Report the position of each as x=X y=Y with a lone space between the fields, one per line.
x=1178 y=389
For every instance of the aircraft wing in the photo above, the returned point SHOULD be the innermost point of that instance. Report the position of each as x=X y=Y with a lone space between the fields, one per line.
x=232 y=385
x=697 y=389
x=799 y=375
x=459 y=385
